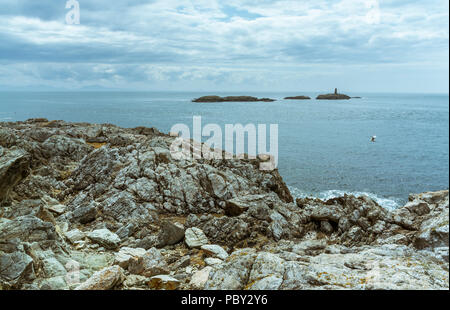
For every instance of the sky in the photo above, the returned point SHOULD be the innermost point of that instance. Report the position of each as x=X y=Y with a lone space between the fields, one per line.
x=228 y=45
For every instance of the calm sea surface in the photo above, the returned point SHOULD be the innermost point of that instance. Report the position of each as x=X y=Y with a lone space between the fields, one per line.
x=324 y=147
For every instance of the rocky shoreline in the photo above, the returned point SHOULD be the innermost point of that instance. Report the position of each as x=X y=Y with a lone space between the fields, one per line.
x=90 y=206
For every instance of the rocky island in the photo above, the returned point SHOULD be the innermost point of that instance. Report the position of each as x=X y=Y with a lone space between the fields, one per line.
x=96 y=206
x=335 y=96
x=298 y=98
x=231 y=99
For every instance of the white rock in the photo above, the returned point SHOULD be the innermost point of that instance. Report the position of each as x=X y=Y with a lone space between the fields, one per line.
x=58 y=209
x=123 y=257
x=105 y=238
x=211 y=261
x=200 y=278
x=215 y=251
x=75 y=235
x=195 y=237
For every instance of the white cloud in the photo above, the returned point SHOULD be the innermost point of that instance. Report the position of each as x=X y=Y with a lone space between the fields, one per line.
x=234 y=38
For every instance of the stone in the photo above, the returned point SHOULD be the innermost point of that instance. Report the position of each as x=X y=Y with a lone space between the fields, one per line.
x=75 y=235
x=163 y=282
x=85 y=214
x=105 y=238
x=122 y=258
x=57 y=209
x=170 y=233
x=212 y=261
x=133 y=281
x=104 y=279
x=199 y=279
x=150 y=264
x=326 y=227
x=215 y=251
x=195 y=237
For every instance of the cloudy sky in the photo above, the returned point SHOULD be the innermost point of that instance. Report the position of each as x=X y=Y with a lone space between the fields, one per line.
x=227 y=45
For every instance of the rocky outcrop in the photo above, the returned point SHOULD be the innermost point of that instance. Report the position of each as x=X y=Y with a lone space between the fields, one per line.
x=334 y=96
x=101 y=207
x=298 y=98
x=231 y=99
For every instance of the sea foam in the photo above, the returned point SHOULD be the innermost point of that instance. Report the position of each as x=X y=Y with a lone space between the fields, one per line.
x=387 y=203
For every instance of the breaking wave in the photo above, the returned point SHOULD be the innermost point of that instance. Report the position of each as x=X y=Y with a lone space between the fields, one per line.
x=387 y=203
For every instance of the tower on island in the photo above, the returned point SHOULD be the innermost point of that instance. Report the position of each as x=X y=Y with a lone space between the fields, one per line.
x=335 y=91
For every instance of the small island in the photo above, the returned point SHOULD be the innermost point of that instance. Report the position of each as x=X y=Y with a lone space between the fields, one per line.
x=231 y=99
x=335 y=96
x=298 y=98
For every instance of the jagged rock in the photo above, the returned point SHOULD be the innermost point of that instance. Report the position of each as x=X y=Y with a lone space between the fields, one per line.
x=105 y=238
x=14 y=166
x=15 y=268
x=195 y=237
x=125 y=180
x=233 y=274
x=104 y=279
x=27 y=228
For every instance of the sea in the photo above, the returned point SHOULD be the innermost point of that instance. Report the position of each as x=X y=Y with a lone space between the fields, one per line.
x=324 y=147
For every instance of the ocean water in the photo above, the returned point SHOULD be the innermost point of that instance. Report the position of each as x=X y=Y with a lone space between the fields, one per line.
x=324 y=148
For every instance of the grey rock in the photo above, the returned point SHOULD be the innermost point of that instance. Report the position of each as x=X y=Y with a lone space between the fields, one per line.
x=170 y=233
x=105 y=238
x=15 y=268
x=195 y=237
x=104 y=279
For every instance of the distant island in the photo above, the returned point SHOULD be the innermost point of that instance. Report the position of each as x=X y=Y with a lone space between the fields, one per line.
x=335 y=96
x=298 y=98
x=231 y=99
